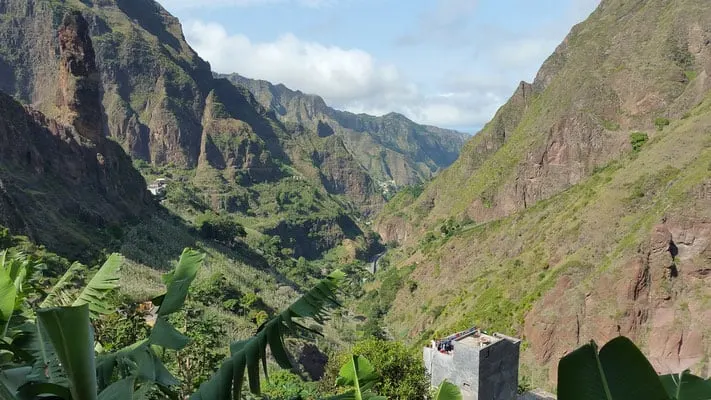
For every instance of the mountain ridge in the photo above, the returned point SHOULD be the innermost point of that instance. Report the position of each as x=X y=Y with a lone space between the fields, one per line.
x=430 y=149
x=581 y=210
x=161 y=103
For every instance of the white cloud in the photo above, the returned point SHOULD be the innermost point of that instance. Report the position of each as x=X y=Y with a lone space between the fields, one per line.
x=350 y=79
x=186 y=4
x=330 y=71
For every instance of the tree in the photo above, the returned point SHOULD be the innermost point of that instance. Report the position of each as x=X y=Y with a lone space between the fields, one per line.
x=223 y=229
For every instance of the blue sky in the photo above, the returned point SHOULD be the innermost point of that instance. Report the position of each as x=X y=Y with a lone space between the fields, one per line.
x=449 y=63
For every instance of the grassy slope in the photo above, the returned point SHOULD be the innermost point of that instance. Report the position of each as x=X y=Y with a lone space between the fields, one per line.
x=624 y=75
x=498 y=270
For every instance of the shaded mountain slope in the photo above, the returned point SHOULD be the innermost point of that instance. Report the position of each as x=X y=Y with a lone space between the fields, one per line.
x=582 y=210
x=61 y=182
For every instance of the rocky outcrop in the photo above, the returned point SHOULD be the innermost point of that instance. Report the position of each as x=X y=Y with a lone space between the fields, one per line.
x=231 y=146
x=655 y=300
x=61 y=183
x=341 y=174
x=79 y=99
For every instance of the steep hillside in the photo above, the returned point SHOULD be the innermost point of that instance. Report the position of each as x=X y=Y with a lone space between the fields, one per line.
x=160 y=101
x=631 y=64
x=73 y=190
x=582 y=210
x=61 y=182
x=164 y=107
x=392 y=149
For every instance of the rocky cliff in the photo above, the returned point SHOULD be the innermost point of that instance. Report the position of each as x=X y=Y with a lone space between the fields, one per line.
x=390 y=149
x=581 y=211
x=62 y=182
x=159 y=99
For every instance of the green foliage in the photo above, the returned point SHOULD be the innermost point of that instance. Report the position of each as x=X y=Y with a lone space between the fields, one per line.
x=648 y=185
x=620 y=371
x=284 y=385
x=221 y=228
x=402 y=375
x=690 y=75
x=246 y=355
x=524 y=384
x=198 y=360
x=447 y=391
x=638 y=139
x=121 y=329
x=71 y=335
x=611 y=125
x=359 y=374
x=449 y=227
x=376 y=303
x=661 y=122
x=685 y=386
x=217 y=291
x=184 y=196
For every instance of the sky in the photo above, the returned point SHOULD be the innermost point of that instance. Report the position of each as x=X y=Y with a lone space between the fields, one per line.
x=449 y=63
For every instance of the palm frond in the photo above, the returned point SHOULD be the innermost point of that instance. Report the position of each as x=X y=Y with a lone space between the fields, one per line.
x=227 y=382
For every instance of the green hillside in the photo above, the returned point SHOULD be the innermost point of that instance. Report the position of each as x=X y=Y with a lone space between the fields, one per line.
x=581 y=211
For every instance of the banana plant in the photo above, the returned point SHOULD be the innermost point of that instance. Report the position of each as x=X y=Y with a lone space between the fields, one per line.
x=34 y=364
x=95 y=292
x=359 y=374
x=64 y=341
x=620 y=371
x=246 y=355
x=685 y=386
x=448 y=391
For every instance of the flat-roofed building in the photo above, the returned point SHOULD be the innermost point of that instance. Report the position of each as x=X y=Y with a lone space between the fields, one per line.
x=484 y=367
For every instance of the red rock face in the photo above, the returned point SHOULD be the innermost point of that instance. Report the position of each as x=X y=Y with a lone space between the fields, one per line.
x=653 y=297
x=79 y=81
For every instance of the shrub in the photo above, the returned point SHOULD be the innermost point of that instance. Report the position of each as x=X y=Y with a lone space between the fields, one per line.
x=402 y=374
x=660 y=123
x=220 y=228
x=638 y=139
x=284 y=385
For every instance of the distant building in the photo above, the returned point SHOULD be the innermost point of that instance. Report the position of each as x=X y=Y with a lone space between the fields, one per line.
x=158 y=187
x=484 y=367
